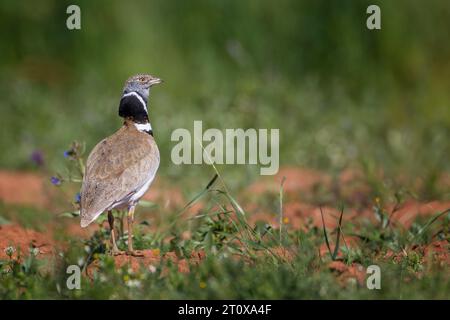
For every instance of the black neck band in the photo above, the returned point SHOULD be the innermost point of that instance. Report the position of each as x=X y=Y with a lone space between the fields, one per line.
x=132 y=107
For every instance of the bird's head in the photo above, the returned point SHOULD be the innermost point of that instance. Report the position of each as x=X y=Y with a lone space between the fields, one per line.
x=141 y=84
x=135 y=97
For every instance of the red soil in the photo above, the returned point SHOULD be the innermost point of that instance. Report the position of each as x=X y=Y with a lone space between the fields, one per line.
x=411 y=209
x=150 y=261
x=437 y=252
x=23 y=239
x=165 y=195
x=23 y=188
x=297 y=181
x=298 y=213
x=346 y=273
x=350 y=185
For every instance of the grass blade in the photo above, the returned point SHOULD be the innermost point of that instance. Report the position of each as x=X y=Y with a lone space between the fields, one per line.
x=281 y=207
x=335 y=252
x=430 y=222
x=325 y=233
x=338 y=237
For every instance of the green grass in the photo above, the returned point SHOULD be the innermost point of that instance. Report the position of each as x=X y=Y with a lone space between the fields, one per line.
x=342 y=97
x=28 y=217
x=241 y=261
x=220 y=276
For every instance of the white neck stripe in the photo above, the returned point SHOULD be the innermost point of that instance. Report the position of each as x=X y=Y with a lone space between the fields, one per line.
x=143 y=126
x=132 y=93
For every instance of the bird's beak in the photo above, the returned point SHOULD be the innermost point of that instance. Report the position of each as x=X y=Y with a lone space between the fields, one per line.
x=155 y=81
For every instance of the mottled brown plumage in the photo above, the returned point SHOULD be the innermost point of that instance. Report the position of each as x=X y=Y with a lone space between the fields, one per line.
x=121 y=168
x=116 y=169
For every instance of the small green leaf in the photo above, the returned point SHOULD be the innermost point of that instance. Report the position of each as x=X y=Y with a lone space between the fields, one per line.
x=338 y=237
x=147 y=204
x=336 y=248
x=69 y=214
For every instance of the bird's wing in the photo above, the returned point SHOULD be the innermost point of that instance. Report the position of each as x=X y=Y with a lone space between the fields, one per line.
x=116 y=168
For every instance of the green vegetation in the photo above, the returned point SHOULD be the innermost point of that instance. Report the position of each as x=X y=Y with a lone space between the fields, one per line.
x=343 y=97
x=239 y=261
x=223 y=256
x=341 y=94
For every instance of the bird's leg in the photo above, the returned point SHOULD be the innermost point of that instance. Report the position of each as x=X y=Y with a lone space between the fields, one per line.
x=131 y=251
x=115 y=250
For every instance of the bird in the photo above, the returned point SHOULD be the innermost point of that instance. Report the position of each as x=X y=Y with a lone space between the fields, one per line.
x=121 y=167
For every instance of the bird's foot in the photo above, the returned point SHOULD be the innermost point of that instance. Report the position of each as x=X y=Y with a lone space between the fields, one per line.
x=135 y=253
x=117 y=252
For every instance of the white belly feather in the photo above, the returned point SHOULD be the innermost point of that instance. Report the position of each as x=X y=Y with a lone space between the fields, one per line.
x=133 y=198
x=139 y=193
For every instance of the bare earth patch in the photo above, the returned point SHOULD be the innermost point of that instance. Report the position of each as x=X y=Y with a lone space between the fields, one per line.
x=23 y=188
x=150 y=260
x=299 y=213
x=22 y=240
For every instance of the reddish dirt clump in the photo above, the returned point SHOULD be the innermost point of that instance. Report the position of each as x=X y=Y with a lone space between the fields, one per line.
x=439 y=251
x=150 y=261
x=410 y=210
x=23 y=239
x=150 y=258
x=346 y=272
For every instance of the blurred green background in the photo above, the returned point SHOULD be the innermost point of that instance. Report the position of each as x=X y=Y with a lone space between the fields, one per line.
x=342 y=95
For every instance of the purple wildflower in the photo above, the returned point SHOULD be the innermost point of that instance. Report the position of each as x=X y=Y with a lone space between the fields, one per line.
x=55 y=181
x=78 y=198
x=69 y=153
x=37 y=158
